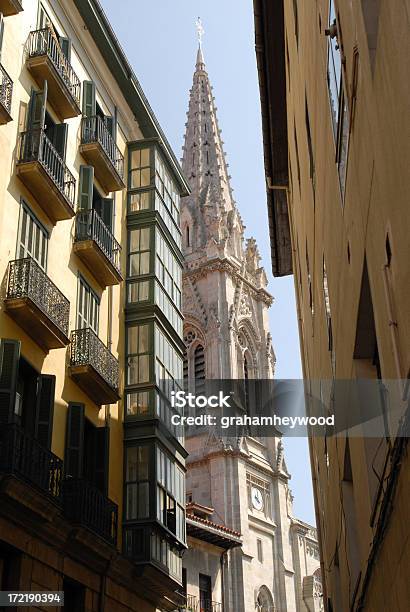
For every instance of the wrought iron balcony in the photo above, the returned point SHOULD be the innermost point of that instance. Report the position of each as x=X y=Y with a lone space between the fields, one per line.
x=46 y=175
x=96 y=246
x=23 y=456
x=191 y=605
x=99 y=149
x=85 y=505
x=36 y=304
x=209 y=606
x=93 y=367
x=10 y=7
x=47 y=62
x=6 y=92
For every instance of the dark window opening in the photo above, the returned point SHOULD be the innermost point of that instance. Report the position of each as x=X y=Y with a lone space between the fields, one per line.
x=74 y=595
x=388 y=251
x=205 y=593
x=309 y=140
x=9 y=568
x=296 y=17
x=199 y=368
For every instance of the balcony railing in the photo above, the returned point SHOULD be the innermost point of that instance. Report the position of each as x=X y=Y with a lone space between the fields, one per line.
x=6 y=90
x=90 y=226
x=35 y=146
x=22 y=455
x=44 y=42
x=27 y=280
x=94 y=130
x=192 y=604
x=86 y=349
x=84 y=504
x=209 y=606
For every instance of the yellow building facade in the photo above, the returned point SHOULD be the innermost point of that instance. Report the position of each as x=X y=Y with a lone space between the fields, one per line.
x=90 y=319
x=334 y=93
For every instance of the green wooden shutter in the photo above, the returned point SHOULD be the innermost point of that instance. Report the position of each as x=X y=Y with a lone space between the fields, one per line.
x=37 y=109
x=102 y=457
x=74 y=448
x=107 y=212
x=89 y=105
x=45 y=409
x=9 y=362
x=85 y=189
x=60 y=138
x=65 y=44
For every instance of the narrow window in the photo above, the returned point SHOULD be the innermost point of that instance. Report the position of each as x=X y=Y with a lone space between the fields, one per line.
x=199 y=368
x=296 y=17
x=259 y=545
x=388 y=251
x=74 y=595
x=328 y=313
x=138 y=354
x=297 y=155
x=137 y=478
x=309 y=140
x=88 y=306
x=205 y=592
x=188 y=242
x=32 y=238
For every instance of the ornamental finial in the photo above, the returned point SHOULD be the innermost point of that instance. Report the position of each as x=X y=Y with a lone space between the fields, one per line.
x=200 y=30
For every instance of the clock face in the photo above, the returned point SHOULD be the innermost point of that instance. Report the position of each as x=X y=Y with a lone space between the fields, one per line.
x=257 y=498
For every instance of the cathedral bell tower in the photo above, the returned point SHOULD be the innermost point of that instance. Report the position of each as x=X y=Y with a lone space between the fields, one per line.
x=225 y=301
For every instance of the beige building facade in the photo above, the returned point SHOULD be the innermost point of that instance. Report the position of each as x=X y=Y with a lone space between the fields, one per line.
x=334 y=93
x=92 y=474
x=237 y=487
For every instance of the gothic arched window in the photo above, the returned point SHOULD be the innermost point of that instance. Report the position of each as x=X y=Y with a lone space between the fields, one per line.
x=199 y=368
x=264 y=600
x=194 y=361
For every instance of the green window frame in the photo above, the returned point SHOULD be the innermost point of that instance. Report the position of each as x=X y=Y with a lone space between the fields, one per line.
x=32 y=237
x=139 y=353
x=140 y=174
x=138 y=462
x=170 y=494
x=139 y=251
x=168 y=270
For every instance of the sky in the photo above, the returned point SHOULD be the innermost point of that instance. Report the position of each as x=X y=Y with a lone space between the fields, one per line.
x=160 y=42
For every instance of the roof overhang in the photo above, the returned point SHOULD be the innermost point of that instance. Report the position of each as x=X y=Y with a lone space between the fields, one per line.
x=270 y=55
x=97 y=23
x=212 y=533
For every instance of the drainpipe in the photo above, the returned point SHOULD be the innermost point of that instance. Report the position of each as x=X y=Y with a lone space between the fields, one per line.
x=222 y=560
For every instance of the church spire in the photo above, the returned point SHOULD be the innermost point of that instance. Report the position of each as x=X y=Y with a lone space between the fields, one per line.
x=203 y=160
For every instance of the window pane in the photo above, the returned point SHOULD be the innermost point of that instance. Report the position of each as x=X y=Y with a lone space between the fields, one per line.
x=135 y=179
x=143 y=339
x=145 y=157
x=132 y=491
x=143 y=460
x=134 y=240
x=132 y=457
x=145 y=177
x=143 y=502
x=144 y=369
x=144 y=241
x=133 y=339
x=135 y=159
x=144 y=263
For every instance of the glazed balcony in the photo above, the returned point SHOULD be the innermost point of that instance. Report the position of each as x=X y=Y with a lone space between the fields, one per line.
x=45 y=174
x=10 y=7
x=24 y=457
x=86 y=506
x=6 y=92
x=99 y=150
x=47 y=62
x=36 y=304
x=93 y=367
x=96 y=246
